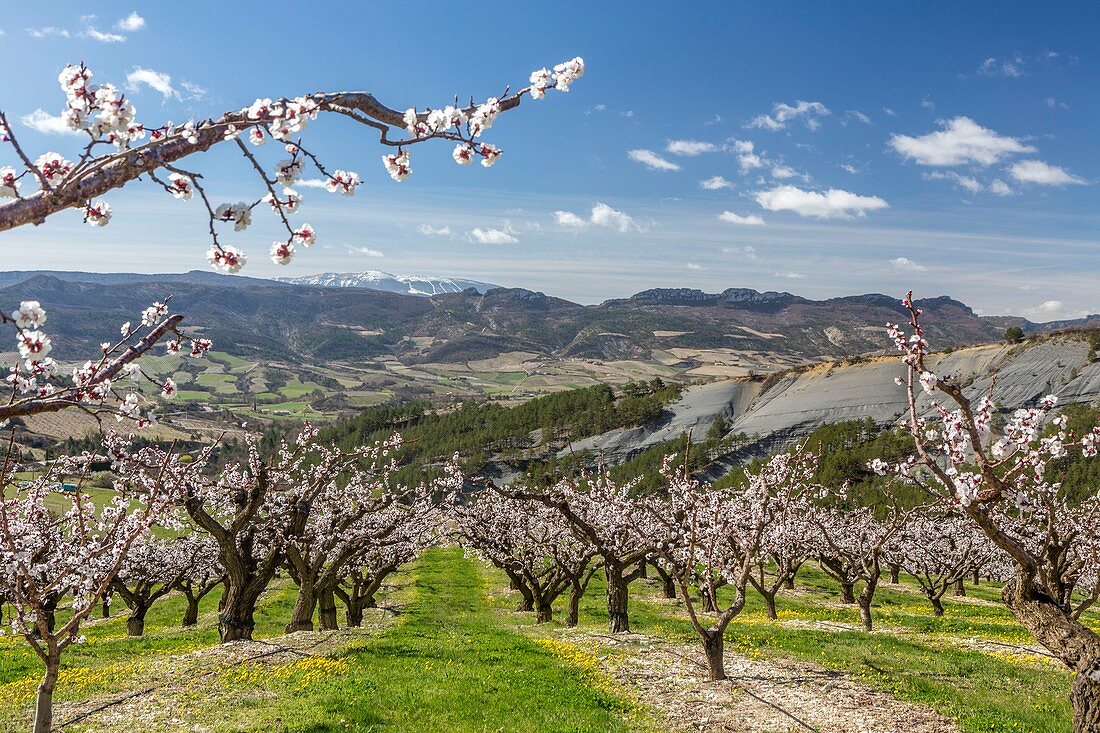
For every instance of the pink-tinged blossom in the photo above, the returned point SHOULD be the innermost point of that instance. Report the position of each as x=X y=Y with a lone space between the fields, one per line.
x=282 y=253
x=240 y=214
x=9 y=183
x=34 y=345
x=97 y=213
x=463 y=154
x=343 y=182
x=397 y=165
x=305 y=236
x=489 y=154
x=227 y=258
x=30 y=314
x=180 y=186
x=53 y=167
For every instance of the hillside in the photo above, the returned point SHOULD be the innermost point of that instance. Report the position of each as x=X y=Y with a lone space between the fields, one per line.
x=425 y=285
x=270 y=319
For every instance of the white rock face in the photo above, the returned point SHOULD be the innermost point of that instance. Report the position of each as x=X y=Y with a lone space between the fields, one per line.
x=426 y=285
x=799 y=402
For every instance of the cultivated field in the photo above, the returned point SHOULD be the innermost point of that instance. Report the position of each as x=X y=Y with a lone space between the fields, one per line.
x=445 y=652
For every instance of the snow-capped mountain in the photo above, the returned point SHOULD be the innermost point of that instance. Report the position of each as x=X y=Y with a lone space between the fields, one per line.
x=378 y=280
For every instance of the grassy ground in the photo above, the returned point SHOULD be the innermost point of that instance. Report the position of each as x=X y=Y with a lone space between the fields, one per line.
x=449 y=665
x=458 y=659
x=913 y=655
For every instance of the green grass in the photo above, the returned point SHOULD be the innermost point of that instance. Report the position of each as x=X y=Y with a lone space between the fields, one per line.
x=913 y=655
x=449 y=665
x=453 y=666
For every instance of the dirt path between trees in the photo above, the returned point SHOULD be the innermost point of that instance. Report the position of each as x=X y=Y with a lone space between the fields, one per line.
x=761 y=696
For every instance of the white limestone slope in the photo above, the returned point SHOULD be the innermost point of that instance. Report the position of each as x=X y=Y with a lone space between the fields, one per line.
x=801 y=401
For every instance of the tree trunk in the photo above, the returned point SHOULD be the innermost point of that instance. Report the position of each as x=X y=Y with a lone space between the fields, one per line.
x=1075 y=644
x=191 y=615
x=789 y=583
x=847 y=593
x=937 y=605
x=105 y=606
x=895 y=574
x=643 y=570
x=976 y=579
x=574 y=614
x=865 y=615
x=327 y=610
x=706 y=601
x=544 y=614
x=301 y=617
x=43 y=709
x=354 y=614
x=618 y=597
x=668 y=585
x=1085 y=696
x=236 y=620
x=960 y=589
x=135 y=623
x=769 y=605
x=713 y=644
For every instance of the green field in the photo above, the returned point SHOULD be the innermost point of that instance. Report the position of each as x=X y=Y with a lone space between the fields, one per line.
x=449 y=655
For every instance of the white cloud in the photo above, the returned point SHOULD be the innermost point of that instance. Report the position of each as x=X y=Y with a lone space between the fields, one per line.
x=832 y=204
x=156 y=80
x=310 y=183
x=790 y=275
x=1000 y=188
x=1043 y=174
x=746 y=155
x=748 y=251
x=48 y=31
x=652 y=161
x=605 y=216
x=751 y=220
x=715 y=183
x=1013 y=67
x=784 y=113
x=42 y=121
x=569 y=219
x=690 y=148
x=490 y=236
x=782 y=172
x=889 y=111
x=693 y=266
x=1052 y=103
x=972 y=185
x=601 y=215
x=365 y=251
x=961 y=141
x=907 y=265
x=850 y=168
x=132 y=22
x=927 y=102
x=102 y=37
x=855 y=114
x=430 y=231
x=194 y=91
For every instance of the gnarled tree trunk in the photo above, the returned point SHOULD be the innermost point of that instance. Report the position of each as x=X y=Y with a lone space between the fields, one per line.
x=43 y=708
x=301 y=617
x=713 y=646
x=847 y=593
x=618 y=599
x=326 y=613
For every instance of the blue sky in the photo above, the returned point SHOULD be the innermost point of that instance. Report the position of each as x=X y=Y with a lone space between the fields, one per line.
x=825 y=149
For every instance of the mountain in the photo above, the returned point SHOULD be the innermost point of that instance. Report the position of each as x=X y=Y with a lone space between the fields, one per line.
x=685 y=329
x=425 y=285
